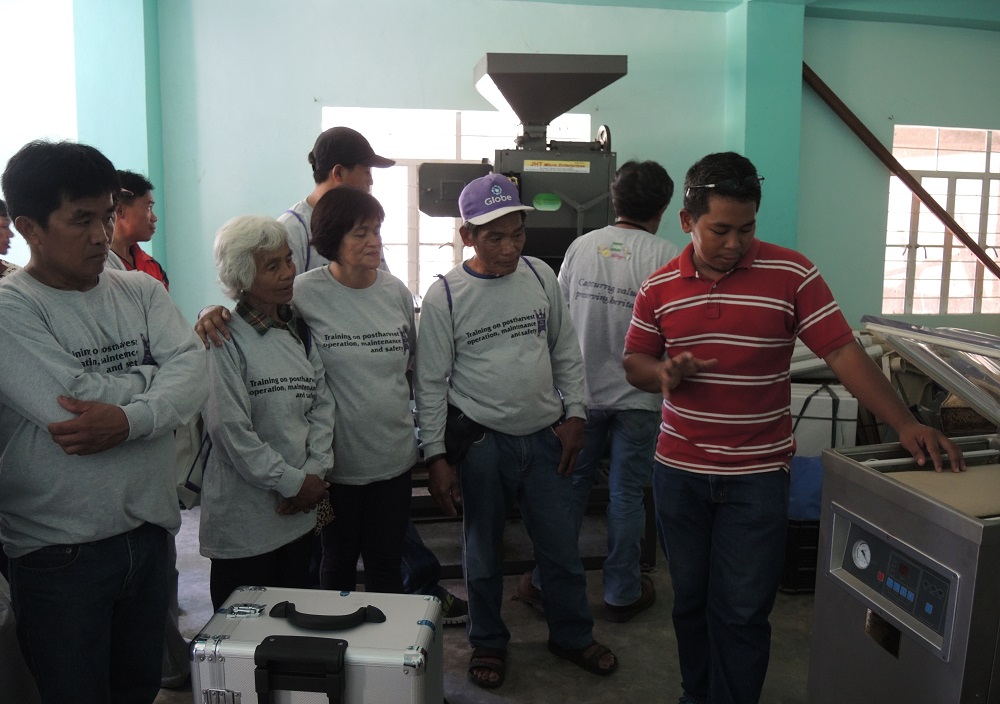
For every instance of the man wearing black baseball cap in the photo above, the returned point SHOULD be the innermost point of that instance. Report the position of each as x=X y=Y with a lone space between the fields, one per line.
x=340 y=157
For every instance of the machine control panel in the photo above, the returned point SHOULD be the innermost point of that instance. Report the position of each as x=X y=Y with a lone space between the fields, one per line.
x=903 y=581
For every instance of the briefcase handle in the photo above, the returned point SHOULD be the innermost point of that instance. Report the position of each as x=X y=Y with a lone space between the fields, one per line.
x=322 y=622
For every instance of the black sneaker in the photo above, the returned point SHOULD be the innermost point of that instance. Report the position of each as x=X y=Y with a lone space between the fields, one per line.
x=454 y=610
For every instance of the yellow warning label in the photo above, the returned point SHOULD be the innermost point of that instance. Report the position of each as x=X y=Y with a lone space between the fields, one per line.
x=566 y=167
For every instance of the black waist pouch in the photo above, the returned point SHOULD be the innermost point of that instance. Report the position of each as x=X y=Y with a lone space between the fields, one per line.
x=460 y=432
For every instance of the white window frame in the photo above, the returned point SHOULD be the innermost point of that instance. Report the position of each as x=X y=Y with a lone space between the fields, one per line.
x=373 y=122
x=413 y=241
x=913 y=247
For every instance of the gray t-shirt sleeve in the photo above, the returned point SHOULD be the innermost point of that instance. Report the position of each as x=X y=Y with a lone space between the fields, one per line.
x=564 y=276
x=228 y=420
x=567 y=360
x=38 y=369
x=172 y=400
x=298 y=237
x=434 y=362
x=321 y=418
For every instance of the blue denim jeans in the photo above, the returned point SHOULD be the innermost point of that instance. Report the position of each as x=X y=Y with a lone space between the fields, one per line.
x=501 y=471
x=632 y=435
x=725 y=536
x=90 y=617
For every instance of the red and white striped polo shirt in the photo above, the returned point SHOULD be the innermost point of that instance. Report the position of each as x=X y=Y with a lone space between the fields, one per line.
x=734 y=419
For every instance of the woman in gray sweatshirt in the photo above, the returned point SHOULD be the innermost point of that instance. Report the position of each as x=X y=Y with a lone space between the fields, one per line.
x=270 y=416
x=363 y=322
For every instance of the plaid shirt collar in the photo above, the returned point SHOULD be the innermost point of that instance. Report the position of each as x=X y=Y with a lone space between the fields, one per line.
x=261 y=322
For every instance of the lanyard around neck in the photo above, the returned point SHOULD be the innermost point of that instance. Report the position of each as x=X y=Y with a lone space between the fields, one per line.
x=633 y=224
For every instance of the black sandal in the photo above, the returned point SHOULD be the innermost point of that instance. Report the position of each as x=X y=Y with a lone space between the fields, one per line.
x=589 y=658
x=492 y=659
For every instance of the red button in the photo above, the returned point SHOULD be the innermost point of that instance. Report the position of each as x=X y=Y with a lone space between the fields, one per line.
x=881 y=576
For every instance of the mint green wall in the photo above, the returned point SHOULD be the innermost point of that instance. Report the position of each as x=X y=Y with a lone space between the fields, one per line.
x=118 y=89
x=111 y=79
x=736 y=78
x=763 y=106
x=242 y=92
x=887 y=74
x=154 y=124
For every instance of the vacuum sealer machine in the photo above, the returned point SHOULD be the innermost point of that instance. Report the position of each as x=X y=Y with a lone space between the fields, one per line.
x=907 y=601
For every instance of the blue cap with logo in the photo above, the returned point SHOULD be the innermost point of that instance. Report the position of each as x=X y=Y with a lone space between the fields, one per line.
x=488 y=198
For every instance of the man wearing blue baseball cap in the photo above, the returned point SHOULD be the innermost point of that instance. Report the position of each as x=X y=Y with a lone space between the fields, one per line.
x=499 y=393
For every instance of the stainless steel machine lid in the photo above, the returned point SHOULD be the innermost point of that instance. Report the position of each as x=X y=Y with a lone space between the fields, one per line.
x=965 y=362
x=974 y=492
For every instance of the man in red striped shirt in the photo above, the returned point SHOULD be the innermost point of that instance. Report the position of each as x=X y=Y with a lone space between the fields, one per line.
x=135 y=222
x=713 y=332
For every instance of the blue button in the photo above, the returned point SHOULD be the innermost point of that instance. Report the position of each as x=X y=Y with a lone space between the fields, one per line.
x=895 y=587
x=889 y=582
x=928 y=608
x=909 y=596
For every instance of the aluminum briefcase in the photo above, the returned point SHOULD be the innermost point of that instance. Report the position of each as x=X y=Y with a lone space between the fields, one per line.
x=303 y=646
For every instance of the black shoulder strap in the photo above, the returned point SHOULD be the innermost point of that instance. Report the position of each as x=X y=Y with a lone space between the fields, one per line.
x=308 y=244
x=447 y=292
x=533 y=270
x=447 y=288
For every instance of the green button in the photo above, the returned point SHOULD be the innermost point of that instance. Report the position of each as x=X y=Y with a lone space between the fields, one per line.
x=547 y=201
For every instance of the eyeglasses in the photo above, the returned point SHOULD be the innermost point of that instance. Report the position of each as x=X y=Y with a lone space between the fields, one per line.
x=729 y=184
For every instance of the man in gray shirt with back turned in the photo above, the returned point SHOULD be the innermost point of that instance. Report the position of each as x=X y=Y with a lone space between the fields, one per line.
x=599 y=277
x=99 y=368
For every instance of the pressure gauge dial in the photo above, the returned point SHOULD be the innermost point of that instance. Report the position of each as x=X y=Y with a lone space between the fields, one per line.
x=862 y=554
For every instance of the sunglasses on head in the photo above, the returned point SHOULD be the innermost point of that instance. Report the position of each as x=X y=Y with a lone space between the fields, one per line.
x=729 y=183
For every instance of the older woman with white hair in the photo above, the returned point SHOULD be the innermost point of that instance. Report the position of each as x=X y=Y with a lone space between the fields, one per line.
x=270 y=415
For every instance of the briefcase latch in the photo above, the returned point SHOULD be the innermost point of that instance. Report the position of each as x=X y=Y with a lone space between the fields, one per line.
x=245 y=610
x=220 y=696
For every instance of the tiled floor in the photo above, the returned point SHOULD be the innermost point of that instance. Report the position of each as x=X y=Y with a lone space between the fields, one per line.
x=645 y=645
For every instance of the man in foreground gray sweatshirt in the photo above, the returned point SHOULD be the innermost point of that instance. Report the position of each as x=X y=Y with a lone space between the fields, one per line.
x=99 y=368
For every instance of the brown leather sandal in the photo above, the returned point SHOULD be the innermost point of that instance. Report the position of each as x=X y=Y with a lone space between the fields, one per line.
x=588 y=658
x=494 y=660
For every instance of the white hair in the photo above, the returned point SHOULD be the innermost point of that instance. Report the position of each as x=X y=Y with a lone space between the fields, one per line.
x=236 y=242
